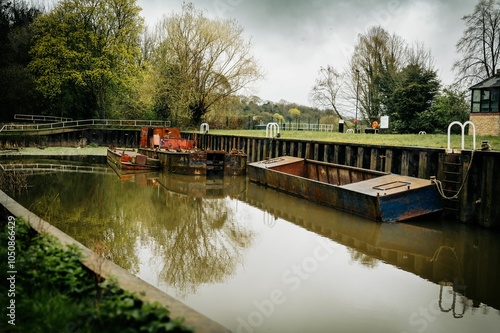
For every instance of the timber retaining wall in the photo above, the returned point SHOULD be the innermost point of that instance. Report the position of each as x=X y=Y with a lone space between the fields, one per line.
x=479 y=196
x=477 y=202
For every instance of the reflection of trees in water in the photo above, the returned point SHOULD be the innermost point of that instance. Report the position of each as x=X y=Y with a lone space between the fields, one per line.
x=89 y=208
x=362 y=258
x=197 y=239
x=12 y=182
x=200 y=242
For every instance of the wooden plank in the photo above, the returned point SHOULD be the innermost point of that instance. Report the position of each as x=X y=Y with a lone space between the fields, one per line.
x=388 y=160
x=423 y=165
x=254 y=150
x=348 y=155
x=489 y=215
x=265 y=148
x=308 y=151
x=360 y=157
x=405 y=163
x=373 y=158
x=335 y=153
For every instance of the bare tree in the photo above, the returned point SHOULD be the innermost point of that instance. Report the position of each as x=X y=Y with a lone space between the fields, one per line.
x=202 y=61
x=377 y=57
x=326 y=89
x=419 y=55
x=480 y=43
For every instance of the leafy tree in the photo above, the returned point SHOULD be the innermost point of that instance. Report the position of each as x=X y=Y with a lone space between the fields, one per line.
x=278 y=117
x=480 y=43
x=294 y=113
x=413 y=95
x=86 y=51
x=201 y=62
x=449 y=105
x=17 y=90
x=326 y=89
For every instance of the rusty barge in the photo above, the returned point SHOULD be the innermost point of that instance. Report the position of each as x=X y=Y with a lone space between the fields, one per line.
x=182 y=156
x=125 y=161
x=371 y=194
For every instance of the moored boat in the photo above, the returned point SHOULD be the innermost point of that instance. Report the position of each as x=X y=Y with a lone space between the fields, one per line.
x=182 y=156
x=372 y=194
x=130 y=160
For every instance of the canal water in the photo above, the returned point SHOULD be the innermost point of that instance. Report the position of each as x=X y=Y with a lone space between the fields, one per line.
x=257 y=260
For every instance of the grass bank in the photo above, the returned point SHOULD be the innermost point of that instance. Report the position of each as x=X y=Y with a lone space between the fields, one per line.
x=405 y=140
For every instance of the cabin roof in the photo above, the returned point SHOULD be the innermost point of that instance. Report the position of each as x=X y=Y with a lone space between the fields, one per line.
x=491 y=82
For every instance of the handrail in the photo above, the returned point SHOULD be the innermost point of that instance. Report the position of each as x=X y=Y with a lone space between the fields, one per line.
x=204 y=128
x=468 y=122
x=272 y=130
x=84 y=123
x=35 y=117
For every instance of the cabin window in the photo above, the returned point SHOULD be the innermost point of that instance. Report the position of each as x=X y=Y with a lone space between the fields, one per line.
x=485 y=100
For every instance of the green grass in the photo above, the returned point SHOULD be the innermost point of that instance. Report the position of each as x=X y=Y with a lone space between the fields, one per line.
x=406 y=140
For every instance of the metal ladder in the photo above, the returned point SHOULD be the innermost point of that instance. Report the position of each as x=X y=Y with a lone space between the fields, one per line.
x=453 y=177
x=453 y=172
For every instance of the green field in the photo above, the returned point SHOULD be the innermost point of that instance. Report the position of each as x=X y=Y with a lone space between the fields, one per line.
x=407 y=140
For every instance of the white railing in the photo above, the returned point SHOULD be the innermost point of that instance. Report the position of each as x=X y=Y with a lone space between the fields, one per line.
x=84 y=123
x=34 y=117
x=272 y=130
x=470 y=123
x=308 y=127
x=204 y=128
x=31 y=167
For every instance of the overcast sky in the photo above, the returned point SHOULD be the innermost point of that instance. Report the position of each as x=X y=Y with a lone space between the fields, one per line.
x=292 y=39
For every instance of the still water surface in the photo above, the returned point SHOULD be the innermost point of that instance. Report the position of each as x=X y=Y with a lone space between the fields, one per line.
x=257 y=260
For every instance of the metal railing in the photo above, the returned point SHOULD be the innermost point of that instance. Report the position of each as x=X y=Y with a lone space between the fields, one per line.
x=32 y=167
x=470 y=123
x=308 y=127
x=84 y=123
x=34 y=117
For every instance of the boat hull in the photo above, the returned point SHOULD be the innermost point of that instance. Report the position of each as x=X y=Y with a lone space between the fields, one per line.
x=130 y=161
x=371 y=194
x=200 y=162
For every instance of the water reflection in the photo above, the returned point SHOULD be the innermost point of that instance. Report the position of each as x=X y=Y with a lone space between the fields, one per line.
x=196 y=238
x=461 y=259
x=228 y=242
x=199 y=240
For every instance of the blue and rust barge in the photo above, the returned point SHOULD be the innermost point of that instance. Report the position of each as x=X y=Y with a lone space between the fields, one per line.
x=371 y=194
